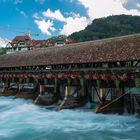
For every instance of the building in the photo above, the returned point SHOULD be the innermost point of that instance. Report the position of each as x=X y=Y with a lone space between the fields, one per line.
x=25 y=43
x=59 y=41
x=37 y=44
x=19 y=43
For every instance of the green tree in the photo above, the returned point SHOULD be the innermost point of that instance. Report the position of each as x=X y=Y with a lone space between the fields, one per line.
x=2 y=51
x=111 y=26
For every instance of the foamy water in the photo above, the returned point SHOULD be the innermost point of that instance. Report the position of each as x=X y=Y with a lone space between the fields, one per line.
x=22 y=120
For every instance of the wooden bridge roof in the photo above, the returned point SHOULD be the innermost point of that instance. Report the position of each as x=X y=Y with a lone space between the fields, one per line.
x=107 y=50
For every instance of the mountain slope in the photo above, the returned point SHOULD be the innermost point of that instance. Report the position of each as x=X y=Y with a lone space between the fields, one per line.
x=111 y=26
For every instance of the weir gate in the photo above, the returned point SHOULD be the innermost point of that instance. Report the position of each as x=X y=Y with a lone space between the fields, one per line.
x=104 y=73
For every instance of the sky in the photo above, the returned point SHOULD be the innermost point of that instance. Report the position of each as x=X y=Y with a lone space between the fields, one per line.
x=45 y=18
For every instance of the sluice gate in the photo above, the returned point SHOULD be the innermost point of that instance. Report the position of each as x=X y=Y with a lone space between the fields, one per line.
x=104 y=73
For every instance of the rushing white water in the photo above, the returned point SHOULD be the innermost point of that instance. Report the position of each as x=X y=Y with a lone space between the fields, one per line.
x=22 y=120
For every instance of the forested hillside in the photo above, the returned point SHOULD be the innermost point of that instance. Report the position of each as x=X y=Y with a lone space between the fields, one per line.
x=111 y=26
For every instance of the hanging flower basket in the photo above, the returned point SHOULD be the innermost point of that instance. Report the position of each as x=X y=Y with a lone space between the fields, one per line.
x=95 y=77
x=49 y=76
x=88 y=76
x=29 y=75
x=72 y=76
x=131 y=77
x=25 y=76
x=21 y=75
x=14 y=75
x=123 y=77
x=10 y=75
x=104 y=77
x=66 y=76
x=60 y=76
x=42 y=75
x=36 y=76
x=114 y=77
x=17 y=75
x=33 y=75
x=78 y=76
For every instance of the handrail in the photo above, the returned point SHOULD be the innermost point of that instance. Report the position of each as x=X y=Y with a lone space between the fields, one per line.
x=61 y=105
x=113 y=101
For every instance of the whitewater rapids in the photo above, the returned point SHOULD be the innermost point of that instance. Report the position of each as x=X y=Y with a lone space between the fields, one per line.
x=22 y=120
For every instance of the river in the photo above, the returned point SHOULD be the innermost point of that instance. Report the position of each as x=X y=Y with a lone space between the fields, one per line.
x=22 y=120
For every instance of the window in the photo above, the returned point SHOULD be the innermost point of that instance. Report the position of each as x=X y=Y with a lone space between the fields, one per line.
x=21 y=43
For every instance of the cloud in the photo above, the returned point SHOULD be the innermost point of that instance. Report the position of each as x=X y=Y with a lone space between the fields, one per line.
x=45 y=26
x=52 y=29
x=40 y=1
x=95 y=9
x=54 y=15
x=103 y=8
x=3 y=42
x=131 y=4
x=123 y=1
x=21 y=12
x=138 y=5
x=74 y=24
x=36 y=16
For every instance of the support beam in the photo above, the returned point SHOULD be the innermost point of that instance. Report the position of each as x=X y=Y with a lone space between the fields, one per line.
x=67 y=89
x=102 y=94
x=41 y=87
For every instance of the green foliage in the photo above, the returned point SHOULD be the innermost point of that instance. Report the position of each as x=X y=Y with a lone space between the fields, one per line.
x=58 y=37
x=2 y=51
x=111 y=26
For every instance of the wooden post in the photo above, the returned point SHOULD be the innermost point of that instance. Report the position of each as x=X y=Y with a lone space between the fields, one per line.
x=55 y=85
x=36 y=85
x=82 y=86
x=67 y=91
x=41 y=87
x=7 y=84
x=117 y=85
x=102 y=94
x=18 y=86
x=3 y=86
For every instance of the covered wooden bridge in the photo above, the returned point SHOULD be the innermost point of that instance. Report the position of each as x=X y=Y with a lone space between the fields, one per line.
x=96 y=71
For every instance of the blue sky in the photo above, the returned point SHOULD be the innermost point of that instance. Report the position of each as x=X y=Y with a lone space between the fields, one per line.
x=53 y=17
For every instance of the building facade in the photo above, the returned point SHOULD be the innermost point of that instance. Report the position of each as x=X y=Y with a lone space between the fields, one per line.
x=19 y=43
x=25 y=43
